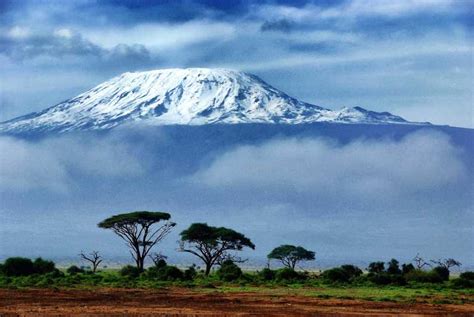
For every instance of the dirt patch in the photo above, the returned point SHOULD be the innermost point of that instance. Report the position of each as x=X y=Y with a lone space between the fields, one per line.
x=186 y=302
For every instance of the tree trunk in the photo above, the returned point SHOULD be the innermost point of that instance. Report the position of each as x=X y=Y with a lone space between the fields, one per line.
x=208 y=269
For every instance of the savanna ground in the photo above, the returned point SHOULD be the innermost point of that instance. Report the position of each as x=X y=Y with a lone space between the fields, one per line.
x=236 y=301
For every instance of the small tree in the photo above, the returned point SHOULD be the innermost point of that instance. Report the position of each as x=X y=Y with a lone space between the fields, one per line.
x=211 y=244
x=289 y=255
x=393 y=267
x=138 y=230
x=158 y=259
x=376 y=267
x=94 y=258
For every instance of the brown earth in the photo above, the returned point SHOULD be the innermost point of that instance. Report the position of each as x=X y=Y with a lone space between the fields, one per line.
x=186 y=302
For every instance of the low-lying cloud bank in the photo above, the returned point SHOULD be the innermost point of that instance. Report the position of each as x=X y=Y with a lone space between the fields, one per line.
x=52 y=164
x=368 y=169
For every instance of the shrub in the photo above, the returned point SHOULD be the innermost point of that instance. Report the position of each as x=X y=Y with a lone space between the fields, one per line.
x=41 y=266
x=130 y=271
x=462 y=283
x=376 y=267
x=393 y=267
x=287 y=274
x=343 y=274
x=190 y=273
x=266 y=274
x=161 y=263
x=467 y=276
x=352 y=270
x=407 y=268
x=442 y=272
x=335 y=275
x=74 y=270
x=229 y=271
x=172 y=273
x=423 y=277
x=18 y=266
x=166 y=273
x=385 y=278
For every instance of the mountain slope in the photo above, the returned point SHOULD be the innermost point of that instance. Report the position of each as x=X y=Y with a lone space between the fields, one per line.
x=194 y=96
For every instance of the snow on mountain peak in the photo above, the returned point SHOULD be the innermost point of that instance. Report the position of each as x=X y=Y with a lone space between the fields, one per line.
x=193 y=96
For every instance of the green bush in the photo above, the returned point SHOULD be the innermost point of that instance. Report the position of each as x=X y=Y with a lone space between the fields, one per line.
x=420 y=276
x=407 y=268
x=73 y=269
x=385 y=278
x=266 y=274
x=18 y=266
x=344 y=274
x=229 y=271
x=442 y=272
x=41 y=266
x=172 y=273
x=462 y=283
x=190 y=273
x=467 y=276
x=376 y=267
x=393 y=267
x=287 y=274
x=166 y=273
x=130 y=271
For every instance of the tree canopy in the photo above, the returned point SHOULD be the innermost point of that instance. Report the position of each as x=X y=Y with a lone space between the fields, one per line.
x=137 y=230
x=289 y=255
x=211 y=244
x=141 y=217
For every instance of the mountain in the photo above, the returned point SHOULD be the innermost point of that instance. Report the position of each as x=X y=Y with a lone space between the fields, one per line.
x=194 y=96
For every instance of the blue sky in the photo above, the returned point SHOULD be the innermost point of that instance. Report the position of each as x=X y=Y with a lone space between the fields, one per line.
x=412 y=58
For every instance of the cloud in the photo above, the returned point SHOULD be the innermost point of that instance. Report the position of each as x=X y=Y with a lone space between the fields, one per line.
x=21 y=43
x=382 y=170
x=282 y=25
x=53 y=164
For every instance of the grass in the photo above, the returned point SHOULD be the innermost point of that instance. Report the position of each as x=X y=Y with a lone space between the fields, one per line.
x=441 y=293
x=423 y=294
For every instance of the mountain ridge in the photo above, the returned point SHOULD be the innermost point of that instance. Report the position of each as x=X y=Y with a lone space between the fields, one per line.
x=192 y=96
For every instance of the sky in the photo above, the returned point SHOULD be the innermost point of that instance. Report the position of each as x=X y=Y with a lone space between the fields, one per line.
x=412 y=58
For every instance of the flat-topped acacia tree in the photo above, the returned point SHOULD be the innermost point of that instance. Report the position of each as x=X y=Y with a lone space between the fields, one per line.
x=289 y=255
x=141 y=230
x=212 y=244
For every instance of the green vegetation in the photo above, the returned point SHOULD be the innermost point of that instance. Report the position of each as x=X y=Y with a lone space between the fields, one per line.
x=213 y=246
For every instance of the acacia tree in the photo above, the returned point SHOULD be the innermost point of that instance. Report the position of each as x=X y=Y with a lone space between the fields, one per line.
x=289 y=255
x=420 y=262
x=139 y=232
x=94 y=258
x=212 y=244
x=447 y=263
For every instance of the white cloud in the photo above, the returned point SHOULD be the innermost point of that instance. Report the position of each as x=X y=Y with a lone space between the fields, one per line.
x=161 y=36
x=51 y=164
x=418 y=163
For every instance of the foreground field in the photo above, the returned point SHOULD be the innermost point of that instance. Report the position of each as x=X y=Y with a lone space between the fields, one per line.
x=175 y=301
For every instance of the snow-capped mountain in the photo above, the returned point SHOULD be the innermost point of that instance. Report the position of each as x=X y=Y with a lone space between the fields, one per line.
x=194 y=96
